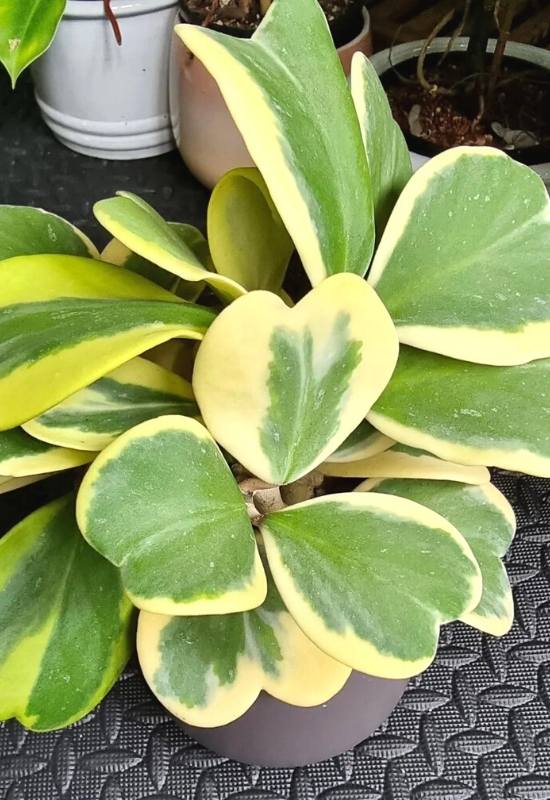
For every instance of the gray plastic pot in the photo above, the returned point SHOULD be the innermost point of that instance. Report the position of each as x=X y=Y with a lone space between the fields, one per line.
x=275 y=734
x=386 y=60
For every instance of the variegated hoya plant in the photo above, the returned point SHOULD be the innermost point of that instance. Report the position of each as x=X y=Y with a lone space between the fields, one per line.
x=287 y=485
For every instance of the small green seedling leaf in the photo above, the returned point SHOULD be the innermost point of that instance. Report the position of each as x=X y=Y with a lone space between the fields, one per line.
x=464 y=263
x=77 y=319
x=486 y=520
x=247 y=238
x=208 y=671
x=65 y=622
x=370 y=578
x=281 y=388
x=469 y=413
x=162 y=504
x=93 y=417
x=300 y=127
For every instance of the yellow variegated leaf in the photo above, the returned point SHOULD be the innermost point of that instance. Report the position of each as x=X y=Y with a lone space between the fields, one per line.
x=93 y=417
x=281 y=388
x=144 y=232
x=370 y=578
x=162 y=505
x=22 y=456
x=291 y=102
x=247 y=238
x=209 y=670
x=487 y=521
x=406 y=462
x=66 y=321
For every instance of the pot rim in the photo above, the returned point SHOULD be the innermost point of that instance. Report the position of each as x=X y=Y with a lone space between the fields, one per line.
x=385 y=59
x=93 y=9
x=365 y=30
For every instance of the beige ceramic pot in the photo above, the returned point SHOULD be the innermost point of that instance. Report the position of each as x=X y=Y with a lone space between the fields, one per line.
x=207 y=137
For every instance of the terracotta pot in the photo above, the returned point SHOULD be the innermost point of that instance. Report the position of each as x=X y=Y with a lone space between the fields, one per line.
x=207 y=137
x=274 y=734
x=536 y=56
x=101 y=99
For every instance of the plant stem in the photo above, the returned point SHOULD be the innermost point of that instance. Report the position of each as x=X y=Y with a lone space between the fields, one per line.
x=504 y=31
x=113 y=20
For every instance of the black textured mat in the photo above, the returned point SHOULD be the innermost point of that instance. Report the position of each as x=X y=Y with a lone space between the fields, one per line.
x=475 y=725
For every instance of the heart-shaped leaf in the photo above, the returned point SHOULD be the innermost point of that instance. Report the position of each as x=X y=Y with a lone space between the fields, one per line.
x=21 y=455
x=464 y=263
x=161 y=503
x=486 y=520
x=370 y=578
x=117 y=253
x=77 y=319
x=406 y=462
x=469 y=413
x=142 y=230
x=26 y=31
x=281 y=388
x=65 y=623
x=387 y=152
x=26 y=231
x=247 y=238
x=300 y=127
x=365 y=441
x=93 y=417
x=209 y=670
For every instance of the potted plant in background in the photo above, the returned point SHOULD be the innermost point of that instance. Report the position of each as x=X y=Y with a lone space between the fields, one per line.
x=207 y=137
x=234 y=512
x=98 y=98
x=474 y=87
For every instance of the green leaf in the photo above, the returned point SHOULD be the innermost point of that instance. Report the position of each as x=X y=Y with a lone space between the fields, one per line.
x=365 y=441
x=161 y=503
x=117 y=253
x=209 y=670
x=401 y=461
x=281 y=388
x=387 y=152
x=21 y=456
x=28 y=231
x=486 y=520
x=93 y=417
x=142 y=230
x=65 y=623
x=293 y=107
x=469 y=413
x=370 y=578
x=248 y=240
x=27 y=28
x=66 y=321
x=464 y=263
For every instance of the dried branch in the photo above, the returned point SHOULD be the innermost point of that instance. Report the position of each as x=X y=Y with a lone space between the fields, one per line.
x=420 y=74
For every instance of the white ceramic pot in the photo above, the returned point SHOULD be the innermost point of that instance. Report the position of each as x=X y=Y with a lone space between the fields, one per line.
x=102 y=99
x=207 y=137
x=386 y=59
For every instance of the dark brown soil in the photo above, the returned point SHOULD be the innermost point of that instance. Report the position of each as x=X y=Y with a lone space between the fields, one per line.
x=246 y=14
x=518 y=122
